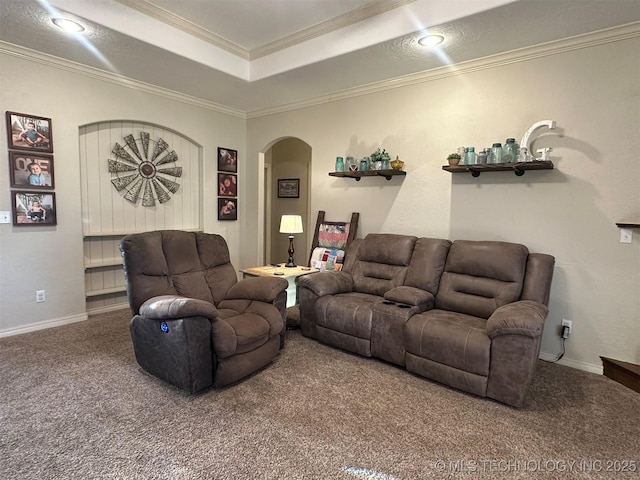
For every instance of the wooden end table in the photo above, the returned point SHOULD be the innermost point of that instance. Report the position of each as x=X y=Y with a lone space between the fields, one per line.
x=288 y=273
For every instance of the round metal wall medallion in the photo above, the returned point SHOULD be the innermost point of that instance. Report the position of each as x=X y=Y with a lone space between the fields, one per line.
x=138 y=171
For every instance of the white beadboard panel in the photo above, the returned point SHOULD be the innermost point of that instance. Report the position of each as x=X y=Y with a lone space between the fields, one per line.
x=107 y=215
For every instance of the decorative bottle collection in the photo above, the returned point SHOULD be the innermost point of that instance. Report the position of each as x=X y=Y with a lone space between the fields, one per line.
x=497 y=153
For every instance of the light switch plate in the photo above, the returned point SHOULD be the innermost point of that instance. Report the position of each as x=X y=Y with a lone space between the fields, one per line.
x=5 y=217
x=626 y=235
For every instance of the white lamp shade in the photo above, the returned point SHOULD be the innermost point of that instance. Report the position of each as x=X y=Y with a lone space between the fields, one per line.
x=291 y=224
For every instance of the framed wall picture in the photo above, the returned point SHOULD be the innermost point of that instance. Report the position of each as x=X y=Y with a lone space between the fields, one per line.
x=227 y=208
x=288 y=188
x=29 y=132
x=33 y=208
x=227 y=160
x=227 y=185
x=31 y=170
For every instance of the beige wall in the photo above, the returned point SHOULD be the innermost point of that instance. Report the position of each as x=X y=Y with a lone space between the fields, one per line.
x=569 y=212
x=51 y=258
x=592 y=91
x=290 y=159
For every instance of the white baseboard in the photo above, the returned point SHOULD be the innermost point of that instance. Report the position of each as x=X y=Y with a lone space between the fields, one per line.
x=32 y=327
x=587 y=367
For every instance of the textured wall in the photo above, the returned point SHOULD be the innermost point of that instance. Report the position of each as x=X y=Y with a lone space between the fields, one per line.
x=570 y=212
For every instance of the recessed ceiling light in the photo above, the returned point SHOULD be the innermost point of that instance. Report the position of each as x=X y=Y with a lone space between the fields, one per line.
x=67 y=25
x=431 y=40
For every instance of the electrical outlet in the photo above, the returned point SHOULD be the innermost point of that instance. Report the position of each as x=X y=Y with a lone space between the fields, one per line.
x=566 y=328
x=41 y=296
x=626 y=235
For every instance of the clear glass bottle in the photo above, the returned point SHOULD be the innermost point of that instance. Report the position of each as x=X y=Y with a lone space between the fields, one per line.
x=523 y=155
x=510 y=151
x=339 y=164
x=495 y=156
x=469 y=156
x=482 y=156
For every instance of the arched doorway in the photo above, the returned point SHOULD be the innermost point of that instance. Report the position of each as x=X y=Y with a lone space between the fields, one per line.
x=286 y=159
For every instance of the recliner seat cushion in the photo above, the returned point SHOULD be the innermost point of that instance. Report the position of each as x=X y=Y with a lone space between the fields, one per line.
x=454 y=339
x=348 y=313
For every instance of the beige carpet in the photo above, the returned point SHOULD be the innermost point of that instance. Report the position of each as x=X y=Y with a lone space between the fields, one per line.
x=74 y=404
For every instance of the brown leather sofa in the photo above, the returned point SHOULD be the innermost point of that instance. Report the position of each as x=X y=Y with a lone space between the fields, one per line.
x=468 y=314
x=194 y=324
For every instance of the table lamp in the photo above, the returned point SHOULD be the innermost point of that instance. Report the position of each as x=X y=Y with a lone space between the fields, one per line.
x=291 y=224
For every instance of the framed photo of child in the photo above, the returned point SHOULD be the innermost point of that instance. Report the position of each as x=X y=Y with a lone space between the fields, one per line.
x=29 y=132
x=227 y=185
x=227 y=208
x=227 y=160
x=31 y=170
x=33 y=208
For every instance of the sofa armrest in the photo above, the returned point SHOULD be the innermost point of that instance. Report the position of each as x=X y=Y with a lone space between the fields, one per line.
x=169 y=307
x=525 y=317
x=410 y=296
x=327 y=283
x=263 y=289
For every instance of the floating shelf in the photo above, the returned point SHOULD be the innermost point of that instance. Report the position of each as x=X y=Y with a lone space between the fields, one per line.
x=117 y=262
x=629 y=223
x=518 y=168
x=369 y=173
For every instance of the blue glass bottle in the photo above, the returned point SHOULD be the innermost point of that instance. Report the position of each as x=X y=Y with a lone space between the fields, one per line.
x=339 y=164
x=510 y=151
x=495 y=156
x=470 y=156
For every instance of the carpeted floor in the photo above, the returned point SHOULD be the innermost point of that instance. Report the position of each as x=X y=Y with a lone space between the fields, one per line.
x=75 y=405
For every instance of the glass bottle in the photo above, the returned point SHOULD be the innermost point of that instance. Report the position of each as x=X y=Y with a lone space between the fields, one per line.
x=495 y=156
x=470 y=156
x=510 y=151
x=482 y=156
x=364 y=164
x=339 y=164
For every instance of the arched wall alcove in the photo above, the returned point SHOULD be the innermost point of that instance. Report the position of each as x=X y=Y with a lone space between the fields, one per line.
x=285 y=158
x=109 y=211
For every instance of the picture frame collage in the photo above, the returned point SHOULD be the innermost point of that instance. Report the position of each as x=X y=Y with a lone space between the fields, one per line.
x=227 y=184
x=31 y=169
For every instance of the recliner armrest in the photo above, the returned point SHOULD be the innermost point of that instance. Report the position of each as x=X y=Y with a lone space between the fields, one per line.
x=263 y=289
x=410 y=296
x=525 y=317
x=327 y=283
x=168 y=307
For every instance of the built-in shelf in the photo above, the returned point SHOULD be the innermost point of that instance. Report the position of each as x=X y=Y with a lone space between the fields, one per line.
x=116 y=262
x=105 y=291
x=518 y=168
x=357 y=175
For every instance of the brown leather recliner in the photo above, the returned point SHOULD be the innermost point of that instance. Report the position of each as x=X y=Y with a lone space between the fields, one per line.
x=194 y=324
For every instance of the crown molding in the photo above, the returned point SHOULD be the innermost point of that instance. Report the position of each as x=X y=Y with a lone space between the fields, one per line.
x=165 y=16
x=350 y=18
x=601 y=37
x=97 y=74
x=367 y=11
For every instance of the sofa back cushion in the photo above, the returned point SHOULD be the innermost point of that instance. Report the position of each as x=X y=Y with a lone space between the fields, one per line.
x=427 y=264
x=480 y=276
x=173 y=262
x=382 y=262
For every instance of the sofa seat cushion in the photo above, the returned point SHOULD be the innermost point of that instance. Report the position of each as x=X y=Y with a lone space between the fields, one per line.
x=348 y=313
x=234 y=332
x=453 y=339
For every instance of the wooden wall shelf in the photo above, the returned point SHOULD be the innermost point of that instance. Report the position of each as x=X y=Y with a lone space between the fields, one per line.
x=629 y=224
x=368 y=173
x=518 y=168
